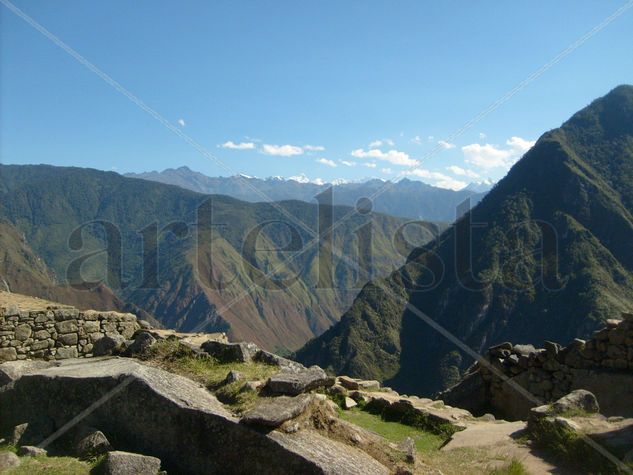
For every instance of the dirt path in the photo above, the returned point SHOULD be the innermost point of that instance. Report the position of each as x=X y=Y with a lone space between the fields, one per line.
x=499 y=438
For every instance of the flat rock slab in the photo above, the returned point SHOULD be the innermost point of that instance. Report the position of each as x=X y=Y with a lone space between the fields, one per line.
x=12 y=370
x=126 y=463
x=296 y=382
x=230 y=352
x=332 y=457
x=272 y=412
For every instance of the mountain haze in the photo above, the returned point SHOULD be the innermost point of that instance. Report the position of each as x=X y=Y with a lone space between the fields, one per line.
x=546 y=255
x=405 y=198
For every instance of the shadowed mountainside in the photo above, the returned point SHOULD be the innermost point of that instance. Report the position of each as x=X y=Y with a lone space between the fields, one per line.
x=546 y=255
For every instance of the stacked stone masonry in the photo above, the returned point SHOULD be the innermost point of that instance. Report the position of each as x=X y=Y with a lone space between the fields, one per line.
x=603 y=364
x=58 y=332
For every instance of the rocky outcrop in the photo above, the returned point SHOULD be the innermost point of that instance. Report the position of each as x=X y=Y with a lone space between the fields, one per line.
x=152 y=412
x=602 y=365
x=293 y=382
x=58 y=332
x=573 y=428
x=125 y=463
x=272 y=412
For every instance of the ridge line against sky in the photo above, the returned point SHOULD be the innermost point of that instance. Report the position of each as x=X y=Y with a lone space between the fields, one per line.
x=290 y=91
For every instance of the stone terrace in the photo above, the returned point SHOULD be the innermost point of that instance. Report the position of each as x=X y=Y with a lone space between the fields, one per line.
x=32 y=328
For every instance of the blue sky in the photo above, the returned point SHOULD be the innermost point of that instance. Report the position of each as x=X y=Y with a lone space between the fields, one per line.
x=328 y=89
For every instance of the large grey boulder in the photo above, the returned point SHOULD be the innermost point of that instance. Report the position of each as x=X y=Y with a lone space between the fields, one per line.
x=292 y=383
x=31 y=451
x=578 y=400
x=8 y=460
x=242 y=352
x=109 y=345
x=272 y=359
x=126 y=463
x=142 y=342
x=272 y=412
x=153 y=412
x=91 y=442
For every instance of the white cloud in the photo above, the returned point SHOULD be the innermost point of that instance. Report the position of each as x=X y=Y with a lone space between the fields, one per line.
x=325 y=161
x=380 y=143
x=462 y=171
x=445 y=145
x=519 y=144
x=369 y=165
x=482 y=136
x=417 y=140
x=451 y=184
x=430 y=138
x=387 y=171
x=313 y=148
x=348 y=163
x=238 y=146
x=492 y=156
x=392 y=156
x=487 y=156
x=438 y=179
x=181 y=122
x=282 y=150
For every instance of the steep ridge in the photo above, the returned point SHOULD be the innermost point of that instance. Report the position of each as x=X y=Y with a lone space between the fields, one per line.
x=172 y=280
x=406 y=198
x=22 y=271
x=546 y=255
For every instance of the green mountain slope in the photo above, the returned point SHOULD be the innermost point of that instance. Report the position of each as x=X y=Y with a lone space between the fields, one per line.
x=23 y=272
x=548 y=256
x=48 y=204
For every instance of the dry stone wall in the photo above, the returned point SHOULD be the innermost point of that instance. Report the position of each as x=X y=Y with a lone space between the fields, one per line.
x=58 y=332
x=602 y=365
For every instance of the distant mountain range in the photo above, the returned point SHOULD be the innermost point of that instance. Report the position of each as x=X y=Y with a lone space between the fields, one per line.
x=405 y=198
x=546 y=255
x=201 y=276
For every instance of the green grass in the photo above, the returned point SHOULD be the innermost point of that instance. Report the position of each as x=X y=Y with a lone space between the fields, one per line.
x=514 y=468
x=44 y=465
x=177 y=358
x=393 y=431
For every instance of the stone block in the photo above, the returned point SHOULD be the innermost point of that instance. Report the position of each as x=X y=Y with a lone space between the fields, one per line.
x=65 y=353
x=68 y=326
x=8 y=354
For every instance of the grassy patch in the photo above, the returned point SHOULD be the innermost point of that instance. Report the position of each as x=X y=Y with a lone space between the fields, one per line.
x=175 y=357
x=514 y=468
x=569 y=446
x=393 y=431
x=49 y=465
x=428 y=444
